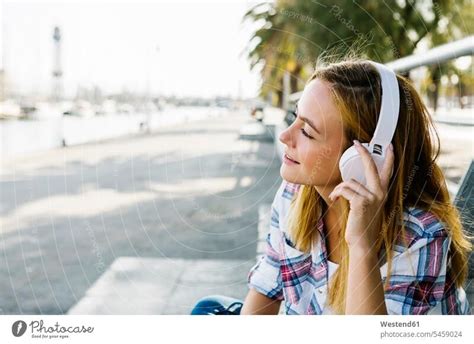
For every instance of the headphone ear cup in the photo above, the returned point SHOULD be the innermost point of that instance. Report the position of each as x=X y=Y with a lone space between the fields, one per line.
x=351 y=165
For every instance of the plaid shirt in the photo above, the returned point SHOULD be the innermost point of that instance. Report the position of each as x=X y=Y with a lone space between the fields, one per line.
x=418 y=282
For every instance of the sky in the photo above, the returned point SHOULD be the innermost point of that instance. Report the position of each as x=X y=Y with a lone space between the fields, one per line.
x=182 y=48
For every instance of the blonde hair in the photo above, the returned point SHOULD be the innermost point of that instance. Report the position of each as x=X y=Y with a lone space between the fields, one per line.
x=417 y=180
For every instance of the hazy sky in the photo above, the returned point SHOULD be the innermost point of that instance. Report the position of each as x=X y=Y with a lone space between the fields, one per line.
x=187 y=48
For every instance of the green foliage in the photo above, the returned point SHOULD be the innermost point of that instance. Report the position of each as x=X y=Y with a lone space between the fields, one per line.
x=292 y=34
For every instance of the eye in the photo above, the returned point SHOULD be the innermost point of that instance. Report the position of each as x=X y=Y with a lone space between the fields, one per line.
x=305 y=133
x=294 y=114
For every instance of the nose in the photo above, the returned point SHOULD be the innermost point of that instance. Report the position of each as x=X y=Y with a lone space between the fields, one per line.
x=286 y=137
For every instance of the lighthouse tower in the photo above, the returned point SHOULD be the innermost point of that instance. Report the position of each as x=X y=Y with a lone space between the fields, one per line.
x=57 y=70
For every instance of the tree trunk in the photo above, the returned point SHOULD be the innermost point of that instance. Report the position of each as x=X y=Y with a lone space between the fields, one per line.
x=279 y=93
x=295 y=76
x=460 y=93
x=433 y=92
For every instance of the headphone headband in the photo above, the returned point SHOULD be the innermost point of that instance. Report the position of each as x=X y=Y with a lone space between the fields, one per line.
x=389 y=110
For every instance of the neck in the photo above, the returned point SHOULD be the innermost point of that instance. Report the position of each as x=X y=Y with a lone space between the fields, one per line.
x=334 y=208
x=331 y=211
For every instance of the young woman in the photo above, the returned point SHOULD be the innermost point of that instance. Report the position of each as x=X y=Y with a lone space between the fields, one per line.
x=393 y=246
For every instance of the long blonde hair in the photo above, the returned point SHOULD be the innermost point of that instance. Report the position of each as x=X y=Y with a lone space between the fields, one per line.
x=417 y=179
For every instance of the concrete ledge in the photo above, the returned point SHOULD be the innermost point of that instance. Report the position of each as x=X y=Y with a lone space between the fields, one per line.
x=162 y=286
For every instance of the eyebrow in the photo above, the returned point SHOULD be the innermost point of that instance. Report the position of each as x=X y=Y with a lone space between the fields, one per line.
x=307 y=120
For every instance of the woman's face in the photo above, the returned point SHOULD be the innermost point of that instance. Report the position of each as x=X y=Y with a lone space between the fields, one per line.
x=315 y=139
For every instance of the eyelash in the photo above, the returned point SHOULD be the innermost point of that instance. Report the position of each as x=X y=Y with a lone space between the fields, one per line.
x=306 y=134
x=302 y=129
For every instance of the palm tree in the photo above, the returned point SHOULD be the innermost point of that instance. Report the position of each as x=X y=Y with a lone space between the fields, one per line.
x=274 y=48
x=293 y=33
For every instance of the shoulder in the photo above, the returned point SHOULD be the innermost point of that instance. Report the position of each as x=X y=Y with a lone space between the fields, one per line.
x=422 y=225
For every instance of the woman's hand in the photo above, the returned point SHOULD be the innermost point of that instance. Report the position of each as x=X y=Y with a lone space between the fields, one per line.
x=366 y=202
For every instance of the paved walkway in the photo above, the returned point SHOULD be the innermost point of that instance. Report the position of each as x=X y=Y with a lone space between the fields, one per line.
x=169 y=286
x=189 y=192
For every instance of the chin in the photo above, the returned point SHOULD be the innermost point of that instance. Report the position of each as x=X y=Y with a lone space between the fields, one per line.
x=294 y=177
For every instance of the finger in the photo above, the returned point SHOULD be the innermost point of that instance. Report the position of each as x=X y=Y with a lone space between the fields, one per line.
x=387 y=168
x=361 y=189
x=371 y=172
x=344 y=191
x=355 y=186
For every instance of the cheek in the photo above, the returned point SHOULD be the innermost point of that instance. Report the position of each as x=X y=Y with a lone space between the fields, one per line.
x=321 y=163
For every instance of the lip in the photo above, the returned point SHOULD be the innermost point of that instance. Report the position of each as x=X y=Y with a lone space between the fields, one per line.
x=287 y=159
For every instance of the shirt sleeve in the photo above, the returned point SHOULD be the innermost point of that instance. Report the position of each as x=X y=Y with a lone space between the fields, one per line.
x=418 y=274
x=265 y=276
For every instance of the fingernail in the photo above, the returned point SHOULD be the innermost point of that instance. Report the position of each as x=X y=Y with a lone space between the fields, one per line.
x=357 y=143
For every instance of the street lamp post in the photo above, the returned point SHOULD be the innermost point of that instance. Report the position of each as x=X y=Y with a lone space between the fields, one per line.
x=149 y=88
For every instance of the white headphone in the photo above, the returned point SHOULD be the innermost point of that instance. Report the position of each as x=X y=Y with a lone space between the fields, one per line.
x=350 y=164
